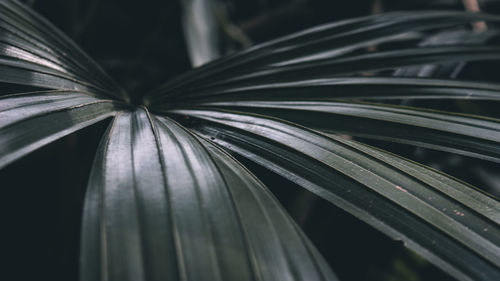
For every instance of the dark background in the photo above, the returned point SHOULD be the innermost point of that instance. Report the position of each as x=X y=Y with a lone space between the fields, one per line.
x=140 y=43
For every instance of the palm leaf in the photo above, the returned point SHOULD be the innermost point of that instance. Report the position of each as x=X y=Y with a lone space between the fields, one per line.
x=434 y=215
x=29 y=121
x=345 y=35
x=366 y=88
x=36 y=53
x=468 y=135
x=166 y=201
x=190 y=212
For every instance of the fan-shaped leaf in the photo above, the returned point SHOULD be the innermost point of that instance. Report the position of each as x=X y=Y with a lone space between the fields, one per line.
x=468 y=135
x=38 y=54
x=163 y=205
x=367 y=88
x=446 y=221
x=29 y=121
x=329 y=42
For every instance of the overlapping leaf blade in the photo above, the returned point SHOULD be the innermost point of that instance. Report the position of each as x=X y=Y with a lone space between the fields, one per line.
x=358 y=64
x=462 y=36
x=325 y=47
x=450 y=223
x=468 y=135
x=446 y=221
x=38 y=54
x=29 y=121
x=163 y=205
x=346 y=88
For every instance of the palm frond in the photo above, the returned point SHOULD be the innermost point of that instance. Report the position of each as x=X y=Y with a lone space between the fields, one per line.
x=166 y=200
x=36 y=53
x=345 y=35
x=406 y=201
x=469 y=135
x=163 y=205
x=29 y=121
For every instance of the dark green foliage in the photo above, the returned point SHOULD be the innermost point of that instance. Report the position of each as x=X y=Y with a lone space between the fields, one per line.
x=166 y=200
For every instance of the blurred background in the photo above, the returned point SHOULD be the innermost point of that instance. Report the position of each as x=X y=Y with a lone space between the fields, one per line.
x=144 y=43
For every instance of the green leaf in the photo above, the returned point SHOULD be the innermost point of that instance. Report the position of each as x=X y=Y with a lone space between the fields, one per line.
x=30 y=74
x=36 y=53
x=165 y=205
x=462 y=36
x=468 y=135
x=357 y=64
x=29 y=121
x=367 y=88
x=323 y=47
x=446 y=221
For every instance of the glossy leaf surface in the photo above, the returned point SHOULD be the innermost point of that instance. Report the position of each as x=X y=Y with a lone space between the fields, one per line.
x=165 y=200
x=163 y=205
x=434 y=215
x=469 y=135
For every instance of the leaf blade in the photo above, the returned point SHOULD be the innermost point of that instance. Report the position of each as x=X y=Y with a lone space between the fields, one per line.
x=344 y=180
x=469 y=135
x=209 y=218
x=28 y=122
